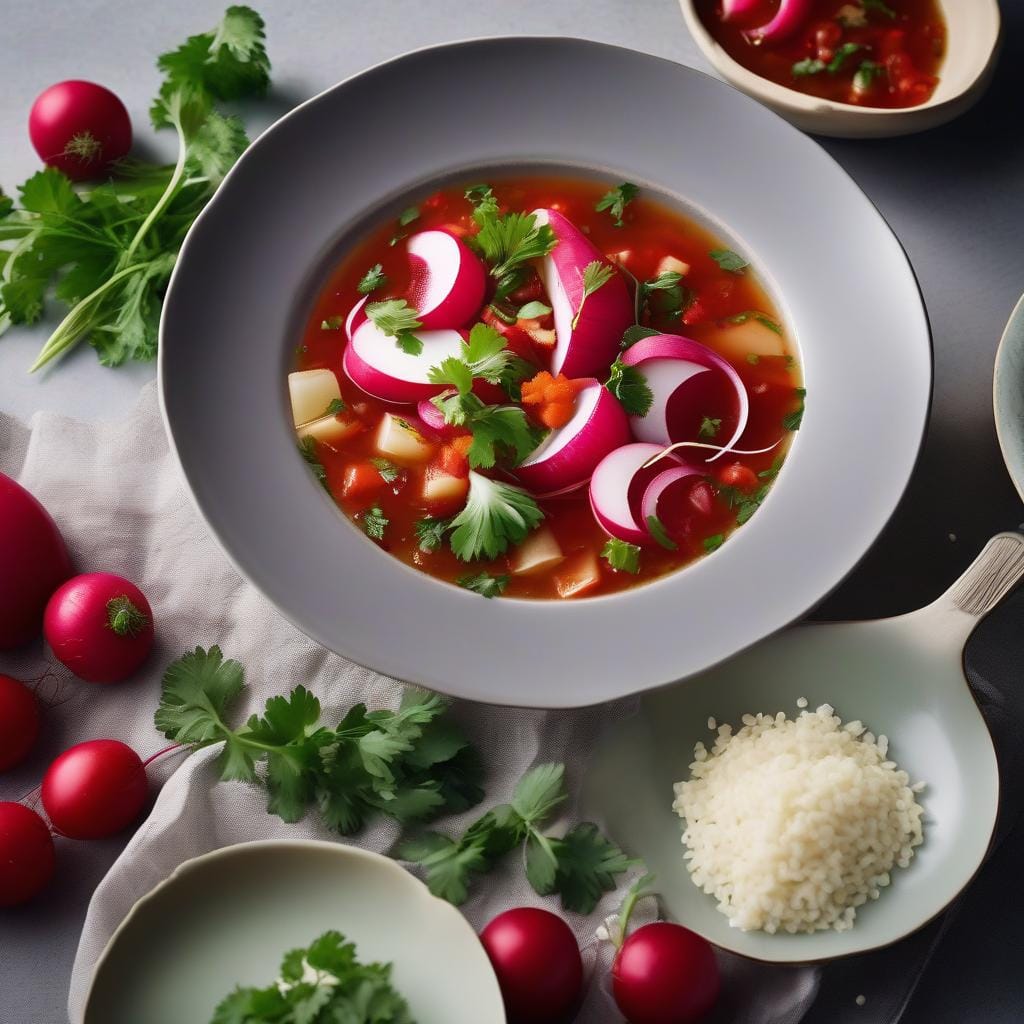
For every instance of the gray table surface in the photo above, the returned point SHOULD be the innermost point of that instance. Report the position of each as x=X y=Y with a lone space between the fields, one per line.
x=954 y=196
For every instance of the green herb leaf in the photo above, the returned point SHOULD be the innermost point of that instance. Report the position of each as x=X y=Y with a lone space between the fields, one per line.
x=588 y=865
x=389 y=472
x=484 y=583
x=773 y=471
x=714 y=542
x=630 y=387
x=408 y=215
x=397 y=319
x=616 y=200
x=596 y=274
x=636 y=333
x=729 y=260
x=835 y=65
x=533 y=311
x=307 y=449
x=708 y=427
x=485 y=203
x=807 y=66
x=373 y=279
x=497 y=515
x=510 y=241
x=332 y=323
x=792 y=420
x=753 y=314
x=539 y=792
x=335 y=407
x=374 y=522
x=657 y=530
x=430 y=532
x=621 y=555
x=865 y=75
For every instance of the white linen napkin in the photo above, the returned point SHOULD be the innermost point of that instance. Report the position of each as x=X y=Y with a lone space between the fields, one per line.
x=116 y=493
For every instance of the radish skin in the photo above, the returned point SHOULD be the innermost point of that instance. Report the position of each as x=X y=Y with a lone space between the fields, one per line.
x=19 y=721
x=448 y=280
x=609 y=492
x=356 y=317
x=26 y=854
x=788 y=20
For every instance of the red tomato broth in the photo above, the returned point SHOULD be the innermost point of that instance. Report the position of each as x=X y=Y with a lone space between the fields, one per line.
x=651 y=231
x=909 y=47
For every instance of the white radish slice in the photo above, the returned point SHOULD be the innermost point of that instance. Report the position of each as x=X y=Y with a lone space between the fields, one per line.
x=609 y=492
x=356 y=317
x=680 y=373
x=538 y=552
x=589 y=348
x=311 y=393
x=661 y=483
x=448 y=280
x=375 y=363
x=568 y=456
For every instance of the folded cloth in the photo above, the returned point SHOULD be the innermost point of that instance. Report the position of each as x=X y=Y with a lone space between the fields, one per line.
x=117 y=495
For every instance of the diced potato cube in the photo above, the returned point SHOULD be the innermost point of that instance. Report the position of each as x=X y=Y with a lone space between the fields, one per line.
x=444 y=489
x=397 y=439
x=312 y=392
x=543 y=337
x=330 y=429
x=538 y=552
x=669 y=264
x=748 y=338
x=578 y=574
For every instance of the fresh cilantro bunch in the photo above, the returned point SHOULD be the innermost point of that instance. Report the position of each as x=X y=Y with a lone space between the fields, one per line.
x=579 y=866
x=324 y=984
x=107 y=253
x=411 y=764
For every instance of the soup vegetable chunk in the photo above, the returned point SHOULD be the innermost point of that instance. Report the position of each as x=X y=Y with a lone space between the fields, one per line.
x=874 y=53
x=545 y=388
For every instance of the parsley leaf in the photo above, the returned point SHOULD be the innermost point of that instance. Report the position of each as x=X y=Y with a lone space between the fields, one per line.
x=373 y=279
x=630 y=387
x=657 y=530
x=729 y=260
x=533 y=311
x=485 y=203
x=714 y=542
x=792 y=420
x=835 y=65
x=484 y=583
x=389 y=472
x=708 y=427
x=596 y=274
x=621 y=555
x=588 y=865
x=865 y=75
x=496 y=515
x=374 y=522
x=616 y=201
x=307 y=449
x=430 y=532
x=745 y=504
x=397 y=319
x=510 y=241
x=411 y=763
x=405 y=218
x=753 y=314
x=332 y=323
x=807 y=66
x=773 y=470
x=636 y=333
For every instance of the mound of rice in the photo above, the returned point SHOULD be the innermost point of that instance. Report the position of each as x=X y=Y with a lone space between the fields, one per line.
x=791 y=824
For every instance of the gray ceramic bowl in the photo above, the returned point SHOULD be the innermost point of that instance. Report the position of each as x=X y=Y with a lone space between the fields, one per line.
x=257 y=254
x=1008 y=396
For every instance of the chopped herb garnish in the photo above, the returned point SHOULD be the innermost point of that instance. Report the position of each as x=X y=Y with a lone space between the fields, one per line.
x=389 y=472
x=708 y=427
x=496 y=516
x=657 y=530
x=847 y=49
x=596 y=274
x=773 y=471
x=509 y=242
x=714 y=542
x=374 y=522
x=864 y=77
x=408 y=215
x=754 y=314
x=430 y=532
x=792 y=420
x=307 y=449
x=336 y=406
x=753 y=358
x=485 y=203
x=636 y=333
x=630 y=387
x=744 y=504
x=332 y=323
x=621 y=555
x=807 y=66
x=878 y=5
x=533 y=311
x=616 y=201
x=484 y=583
x=673 y=296
x=373 y=279
x=397 y=319
x=728 y=260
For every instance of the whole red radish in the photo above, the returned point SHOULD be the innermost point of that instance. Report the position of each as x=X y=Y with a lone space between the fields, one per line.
x=95 y=789
x=19 y=721
x=80 y=128
x=33 y=563
x=538 y=964
x=100 y=626
x=26 y=854
x=665 y=974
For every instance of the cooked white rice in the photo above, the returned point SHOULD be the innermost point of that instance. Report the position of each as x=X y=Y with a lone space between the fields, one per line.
x=791 y=824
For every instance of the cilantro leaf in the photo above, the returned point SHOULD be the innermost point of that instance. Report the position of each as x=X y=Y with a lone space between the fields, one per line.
x=484 y=583
x=408 y=215
x=501 y=429
x=621 y=555
x=485 y=203
x=197 y=690
x=714 y=542
x=865 y=75
x=596 y=274
x=510 y=241
x=335 y=407
x=807 y=66
x=708 y=427
x=729 y=260
x=389 y=472
x=374 y=522
x=397 y=319
x=539 y=792
x=792 y=420
x=533 y=311
x=773 y=471
x=588 y=864
x=761 y=318
x=636 y=333
x=430 y=532
x=835 y=65
x=630 y=387
x=307 y=449
x=496 y=516
x=373 y=279
x=616 y=200
x=657 y=530
x=332 y=323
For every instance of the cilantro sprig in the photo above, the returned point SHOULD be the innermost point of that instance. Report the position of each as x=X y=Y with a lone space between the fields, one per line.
x=496 y=515
x=596 y=275
x=621 y=555
x=107 y=252
x=509 y=242
x=373 y=279
x=630 y=387
x=324 y=982
x=579 y=865
x=484 y=583
x=616 y=200
x=412 y=763
x=397 y=319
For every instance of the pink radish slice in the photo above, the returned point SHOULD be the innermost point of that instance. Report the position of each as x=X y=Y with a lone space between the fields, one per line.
x=683 y=375
x=737 y=8
x=661 y=483
x=356 y=317
x=375 y=363
x=448 y=280
x=433 y=419
x=789 y=19
x=568 y=456
x=609 y=492
x=590 y=348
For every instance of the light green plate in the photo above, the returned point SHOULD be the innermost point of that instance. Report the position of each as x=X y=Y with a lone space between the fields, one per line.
x=227 y=917
x=1008 y=396
x=902 y=677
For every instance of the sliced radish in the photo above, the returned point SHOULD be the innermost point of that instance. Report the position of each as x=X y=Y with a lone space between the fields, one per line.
x=540 y=551
x=356 y=317
x=736 y=8
x=688 y=381
x=588 y=349
x=433 y=418
x=312 y=392
x=568 y=456
x=610 y=487
x=375 y=363
x=661 y=483
x=788 y=19
x=399 y=439
x=448 y=280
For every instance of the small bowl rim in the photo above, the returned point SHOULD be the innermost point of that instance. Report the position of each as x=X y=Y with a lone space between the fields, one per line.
x=999 y=412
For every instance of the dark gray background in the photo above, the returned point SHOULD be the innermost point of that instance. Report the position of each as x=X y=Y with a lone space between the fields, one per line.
x=954 y=196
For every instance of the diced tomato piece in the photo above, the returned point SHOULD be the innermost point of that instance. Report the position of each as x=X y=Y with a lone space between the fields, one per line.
x=361 y=478
x=737 y=475
x=695 y=313
x=577 y=574
x=452 y=460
